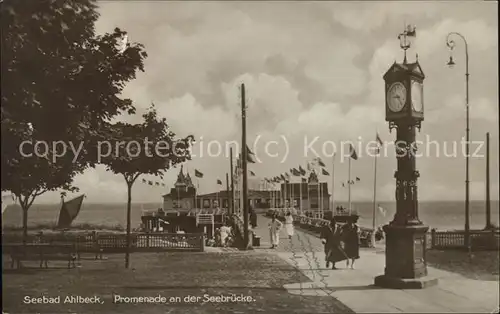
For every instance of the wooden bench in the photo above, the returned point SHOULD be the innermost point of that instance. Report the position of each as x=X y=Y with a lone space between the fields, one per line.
x=40 y=252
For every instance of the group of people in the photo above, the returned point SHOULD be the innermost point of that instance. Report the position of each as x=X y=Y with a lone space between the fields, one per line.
x=275 y=227
x=340 y=243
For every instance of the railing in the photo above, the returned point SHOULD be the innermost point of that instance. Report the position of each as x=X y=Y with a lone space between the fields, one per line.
x=115 y=243
x=315 y=225
x=480 y=239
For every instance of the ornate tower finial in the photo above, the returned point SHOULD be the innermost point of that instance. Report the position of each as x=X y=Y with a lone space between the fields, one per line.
x=404 y=43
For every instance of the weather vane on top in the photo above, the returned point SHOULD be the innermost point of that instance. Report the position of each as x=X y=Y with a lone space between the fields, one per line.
x=410 y=31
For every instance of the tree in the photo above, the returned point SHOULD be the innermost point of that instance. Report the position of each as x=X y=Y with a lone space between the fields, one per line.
x=146 y=148
x=54 y=66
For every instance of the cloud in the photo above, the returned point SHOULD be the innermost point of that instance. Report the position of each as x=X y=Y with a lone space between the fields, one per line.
x=311 y=70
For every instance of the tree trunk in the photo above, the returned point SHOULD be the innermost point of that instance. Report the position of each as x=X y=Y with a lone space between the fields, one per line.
x=129 y=209
x=25 y=224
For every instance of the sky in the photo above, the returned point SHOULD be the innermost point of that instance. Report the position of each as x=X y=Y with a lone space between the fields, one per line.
x=313 y=73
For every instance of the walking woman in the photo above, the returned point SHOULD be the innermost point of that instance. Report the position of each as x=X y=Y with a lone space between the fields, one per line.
x=289 y=224
x=331 y=237
x=274 y=231
x=350 y=237
x=253 y=218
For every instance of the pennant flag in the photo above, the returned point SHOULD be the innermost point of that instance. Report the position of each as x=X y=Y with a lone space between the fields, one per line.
x=198 y=174
x=295 y=172
x=320 y=162
x=219 y=182
x=150 y=182
x=144 y=181
x=302 y=171
x=250 y=156
x=382 y=210
x=282 y=177
x=324 y=172
x=304 y=180
x=358 y=179
x=69 y=211
x=379 y=140
x=352 y=152
x=252 y=173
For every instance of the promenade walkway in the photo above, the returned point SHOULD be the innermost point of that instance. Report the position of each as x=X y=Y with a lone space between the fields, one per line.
x=354 y=288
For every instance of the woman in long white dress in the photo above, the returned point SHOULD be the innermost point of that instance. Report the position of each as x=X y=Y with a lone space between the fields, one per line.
x=224 y=234
x=289 y=225
x=274 y=231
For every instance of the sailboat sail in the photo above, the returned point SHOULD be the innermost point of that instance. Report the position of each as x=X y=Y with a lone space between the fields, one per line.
x=7 y=200
x=69 y=211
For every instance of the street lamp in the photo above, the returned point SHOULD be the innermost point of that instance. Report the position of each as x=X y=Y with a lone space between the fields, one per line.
x=451 y=44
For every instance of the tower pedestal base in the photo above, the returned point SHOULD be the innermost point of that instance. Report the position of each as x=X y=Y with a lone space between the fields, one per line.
x=405 y=258
x=385 y=281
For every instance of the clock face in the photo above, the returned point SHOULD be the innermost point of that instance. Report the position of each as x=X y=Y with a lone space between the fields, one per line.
x=417 y=96
x=396 y=97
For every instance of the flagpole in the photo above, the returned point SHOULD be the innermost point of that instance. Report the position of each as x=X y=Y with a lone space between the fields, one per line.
x=349 y=187
x=232 y=180
x=196 y=192
x=300 y=201
x=333 y=182
x=374 y=196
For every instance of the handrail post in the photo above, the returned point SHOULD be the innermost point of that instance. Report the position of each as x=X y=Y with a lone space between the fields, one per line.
x=433 y=238
x=202 y=242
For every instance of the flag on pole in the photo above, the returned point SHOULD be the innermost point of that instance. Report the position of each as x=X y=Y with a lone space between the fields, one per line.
x=150 y=182
x=379 y=140
x=324 y=172
x=295 y=172
x=304 y=180
x=144 y=181
x=250 y=156
x=198 y=174
x=69 y=211
x=382 y=210
x=252 y=173
x=358 y=179
x=302 y=171
x=320 y=162
x=219 y=182
x=352 y=152
x=157 y=183
x=163 y=184
x=309 y=167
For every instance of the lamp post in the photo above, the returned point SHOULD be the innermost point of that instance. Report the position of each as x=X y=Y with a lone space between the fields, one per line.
x=451 y=44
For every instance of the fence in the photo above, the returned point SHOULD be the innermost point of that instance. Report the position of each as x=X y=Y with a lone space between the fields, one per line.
x=116 y=243
x=481 y=240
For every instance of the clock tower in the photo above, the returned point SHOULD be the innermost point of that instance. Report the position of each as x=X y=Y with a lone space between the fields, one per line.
x=405 y=253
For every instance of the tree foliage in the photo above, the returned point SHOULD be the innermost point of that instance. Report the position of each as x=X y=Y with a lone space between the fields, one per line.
x=146 y=148
x=60 y=82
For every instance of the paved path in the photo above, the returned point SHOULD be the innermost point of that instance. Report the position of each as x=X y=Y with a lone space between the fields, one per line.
x=354 y=288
